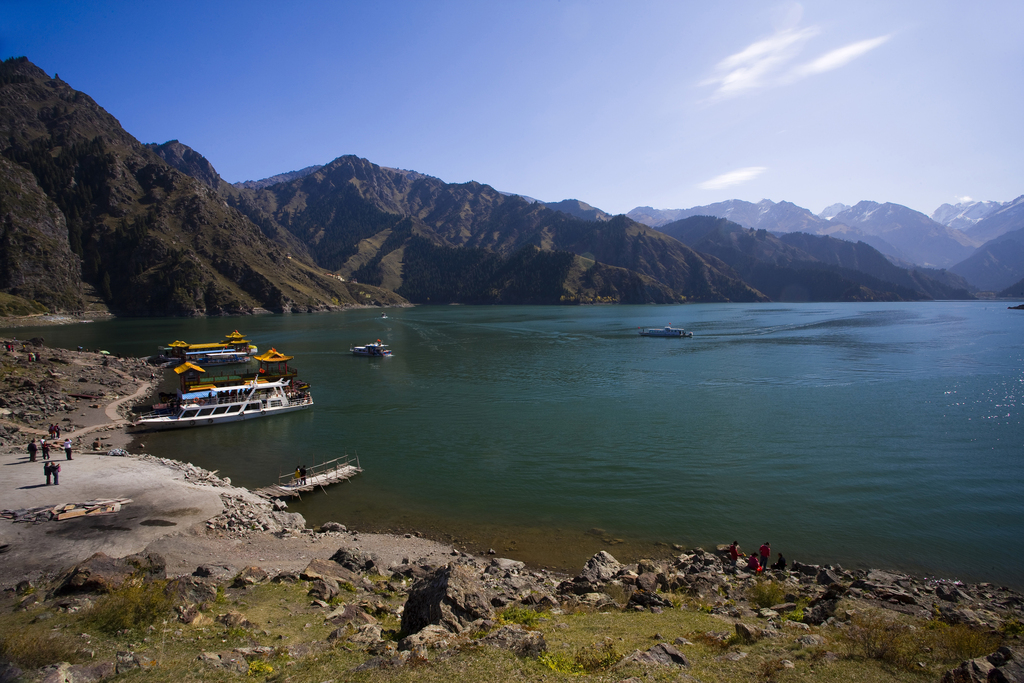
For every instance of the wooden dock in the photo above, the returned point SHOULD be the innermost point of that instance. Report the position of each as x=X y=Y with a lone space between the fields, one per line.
x=318 y=476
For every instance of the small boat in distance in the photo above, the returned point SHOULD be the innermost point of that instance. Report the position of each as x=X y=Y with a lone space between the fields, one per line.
x=667 y=331
x=377 y=350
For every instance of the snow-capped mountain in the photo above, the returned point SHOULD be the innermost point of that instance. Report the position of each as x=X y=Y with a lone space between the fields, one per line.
x=965 y=215
x=829 y=212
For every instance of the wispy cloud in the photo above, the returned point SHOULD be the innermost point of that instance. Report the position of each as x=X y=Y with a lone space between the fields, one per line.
x=840 y=57
x=737 y=177
x=770 y=62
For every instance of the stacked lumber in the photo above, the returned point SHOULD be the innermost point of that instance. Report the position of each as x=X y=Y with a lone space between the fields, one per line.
x=66 y=510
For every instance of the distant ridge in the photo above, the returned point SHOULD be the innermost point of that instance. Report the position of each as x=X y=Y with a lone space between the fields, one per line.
x=279 y=178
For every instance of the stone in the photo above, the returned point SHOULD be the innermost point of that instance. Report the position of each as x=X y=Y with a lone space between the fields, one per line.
x=358 y=561
x=515 y=638
x=350 y=614
x=601 y=567
x=748 y=634
x=99 y=573
x=431 y=636
x=647 y=599
x=214 y=571
x=811 y=640
x=188 y=589
x=333 y=527
x=235 y=619
x=324 y=589
x=231 y=661
x=318 y=569
x=503 y=564
x=826 y=577
x=661 y=654
x=451 y=597
x=250 y=576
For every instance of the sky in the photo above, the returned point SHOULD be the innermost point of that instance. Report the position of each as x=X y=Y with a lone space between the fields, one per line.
x=670 y=104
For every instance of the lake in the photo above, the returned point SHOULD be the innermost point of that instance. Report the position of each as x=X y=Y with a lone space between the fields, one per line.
x=877 y=434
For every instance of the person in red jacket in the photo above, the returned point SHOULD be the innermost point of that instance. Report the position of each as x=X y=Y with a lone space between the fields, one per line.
x=752 y=564
x=734 y=552
x=766 y=553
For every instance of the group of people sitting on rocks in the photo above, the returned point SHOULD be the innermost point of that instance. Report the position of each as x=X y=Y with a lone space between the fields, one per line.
x=755 y=562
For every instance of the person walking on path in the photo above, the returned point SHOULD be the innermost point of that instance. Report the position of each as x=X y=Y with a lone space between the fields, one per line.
x=56 y=430
x=48 y=471
x=766 y=553
x=67 y=448
x=46 y=449
x=32 y=449
x=55 y=468
x=302 y=472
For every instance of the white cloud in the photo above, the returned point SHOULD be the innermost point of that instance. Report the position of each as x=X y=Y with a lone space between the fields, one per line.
x=770 y=62
x=737 y=177
x=965 y=199
x=756 y=66
x=840 y=57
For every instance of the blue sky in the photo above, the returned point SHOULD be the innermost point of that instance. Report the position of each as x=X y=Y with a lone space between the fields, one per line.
x=669 y=104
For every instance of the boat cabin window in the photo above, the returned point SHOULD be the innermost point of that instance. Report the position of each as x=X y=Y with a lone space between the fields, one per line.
x=253 y=406
x=275 y=404
x=234 y=409
x=204 y=412
x=188 y=414
x=220 y=411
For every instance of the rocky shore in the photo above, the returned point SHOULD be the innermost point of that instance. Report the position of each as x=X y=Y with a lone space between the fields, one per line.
x=235 y=569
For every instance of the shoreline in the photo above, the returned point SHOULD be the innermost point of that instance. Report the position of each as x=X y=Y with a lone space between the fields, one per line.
x=161 y=522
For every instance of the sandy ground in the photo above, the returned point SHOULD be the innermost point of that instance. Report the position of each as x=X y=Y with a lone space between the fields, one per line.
x=167 y=514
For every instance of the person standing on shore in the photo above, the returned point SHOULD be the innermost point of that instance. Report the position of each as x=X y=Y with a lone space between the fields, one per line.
x=734 y=552
x=766 y=553
x=55 y=468
x=46 y=448
x=32 y=449
x=67 y=448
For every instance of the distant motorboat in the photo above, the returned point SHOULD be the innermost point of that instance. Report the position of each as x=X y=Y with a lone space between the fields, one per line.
x=377 y=350
x=667 y=331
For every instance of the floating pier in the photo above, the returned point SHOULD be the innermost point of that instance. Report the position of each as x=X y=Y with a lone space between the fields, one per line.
x=318 y=476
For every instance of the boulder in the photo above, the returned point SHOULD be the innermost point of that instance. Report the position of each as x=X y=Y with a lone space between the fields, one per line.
x=98 y=573
x=601 y=567
x=748 y=634
x=431 y=636
x=235 y=619
x=647 y=600
x=358 y=561
x=214 y=571
x=517 y=639
x=320 y=569
x=349 y=614
x=250 y=576
x=333 y=527
x=452 y=597
x=190 y=590
x=661 y=654
x=325 y=589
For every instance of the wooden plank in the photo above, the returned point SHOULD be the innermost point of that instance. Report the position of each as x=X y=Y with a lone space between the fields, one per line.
x=72 y=513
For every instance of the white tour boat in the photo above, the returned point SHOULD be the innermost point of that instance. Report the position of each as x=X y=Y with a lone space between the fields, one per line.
x=210 y=405
x=667 y=331
x=377 y=350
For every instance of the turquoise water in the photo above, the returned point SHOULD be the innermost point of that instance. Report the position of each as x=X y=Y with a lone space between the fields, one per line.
x=865 y=434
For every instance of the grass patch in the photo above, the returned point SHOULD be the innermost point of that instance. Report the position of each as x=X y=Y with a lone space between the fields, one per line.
x=585 y=660
x=517 y=614
x=131 y=607
x=33 y=648
x=960 y=642
x=764 y=593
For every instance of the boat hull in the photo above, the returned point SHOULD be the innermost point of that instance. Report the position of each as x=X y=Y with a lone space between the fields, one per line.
x=155 y=424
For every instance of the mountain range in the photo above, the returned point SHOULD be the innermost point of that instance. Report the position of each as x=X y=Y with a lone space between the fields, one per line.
x=154 y=230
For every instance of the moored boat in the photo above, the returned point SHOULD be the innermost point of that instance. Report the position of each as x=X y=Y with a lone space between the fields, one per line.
x=233 y=349
x=209 y=405
x=667 y=331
